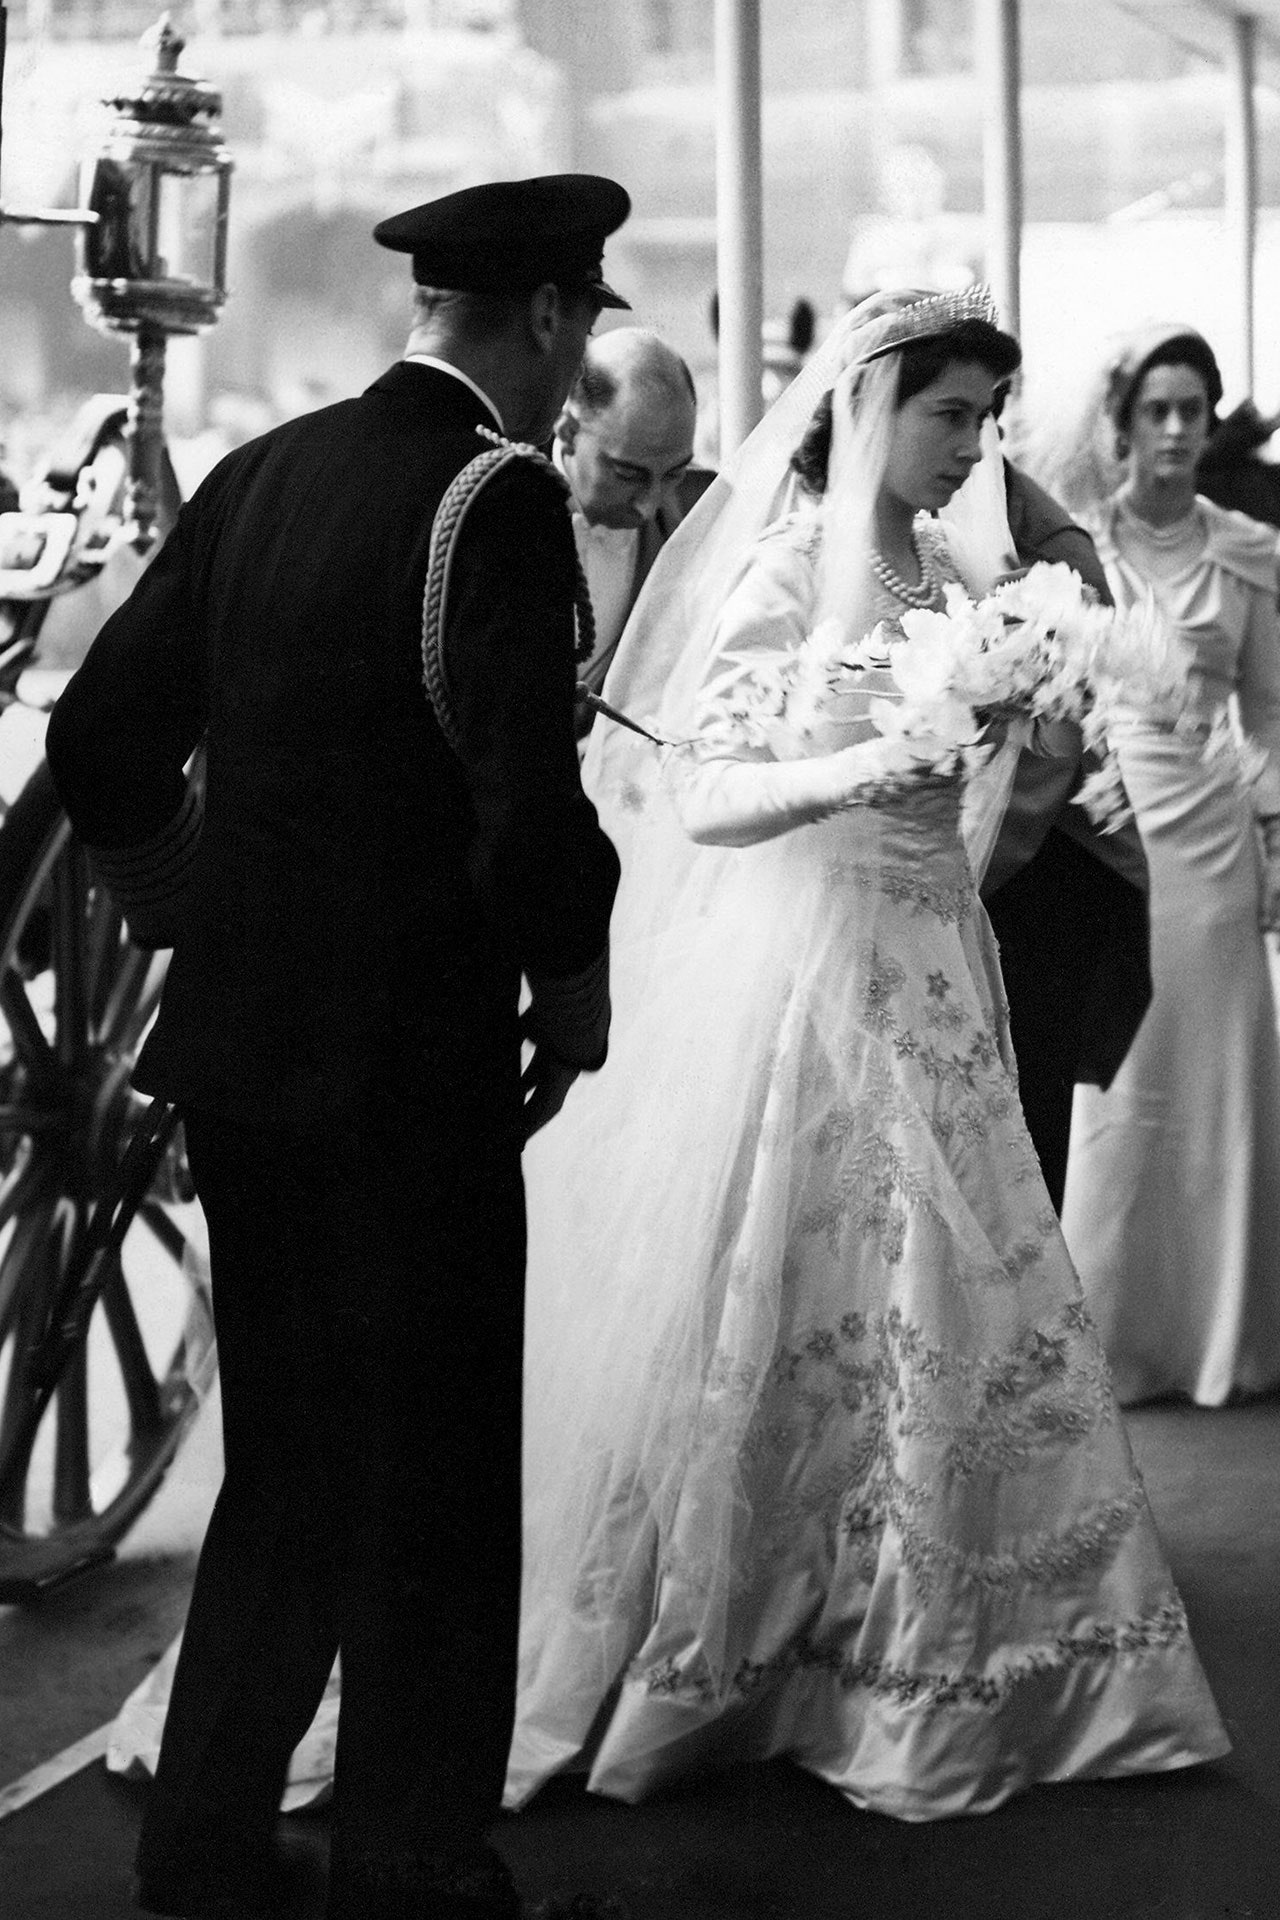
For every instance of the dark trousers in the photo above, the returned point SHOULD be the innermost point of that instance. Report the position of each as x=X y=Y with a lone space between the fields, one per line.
x=1074 y=951
x=368 y=1302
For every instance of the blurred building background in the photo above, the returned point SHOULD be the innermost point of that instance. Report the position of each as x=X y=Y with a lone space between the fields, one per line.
x=338 y=111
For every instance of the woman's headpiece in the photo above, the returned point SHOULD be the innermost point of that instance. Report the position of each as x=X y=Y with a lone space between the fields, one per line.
x=893 y=320
x=1165 y=345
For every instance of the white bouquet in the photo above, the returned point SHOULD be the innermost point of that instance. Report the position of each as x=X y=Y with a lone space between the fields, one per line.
x=1038 y=647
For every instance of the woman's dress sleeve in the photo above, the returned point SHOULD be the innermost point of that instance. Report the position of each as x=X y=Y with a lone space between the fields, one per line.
x=726 y=791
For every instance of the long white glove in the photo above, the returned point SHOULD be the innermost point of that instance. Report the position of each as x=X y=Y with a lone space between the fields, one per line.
x=736 y=803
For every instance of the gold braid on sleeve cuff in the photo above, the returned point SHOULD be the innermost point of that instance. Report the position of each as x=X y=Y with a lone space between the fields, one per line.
x=149 y=880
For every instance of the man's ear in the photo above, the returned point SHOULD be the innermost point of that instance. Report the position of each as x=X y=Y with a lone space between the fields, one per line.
x=545 y=316
x=567 y=428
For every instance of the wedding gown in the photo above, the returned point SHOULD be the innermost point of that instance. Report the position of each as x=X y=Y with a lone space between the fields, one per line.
x=1172 y=1207
x=831 y=1467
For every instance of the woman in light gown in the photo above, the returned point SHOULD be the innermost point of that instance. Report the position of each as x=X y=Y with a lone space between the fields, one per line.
x=822 y=1457
x=1172 y=1209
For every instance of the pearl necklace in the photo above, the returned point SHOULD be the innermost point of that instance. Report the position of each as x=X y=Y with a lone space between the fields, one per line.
x=894 y=584
x=1173 y=533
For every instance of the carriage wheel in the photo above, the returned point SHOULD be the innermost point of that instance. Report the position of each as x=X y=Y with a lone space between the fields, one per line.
x=85 y=1445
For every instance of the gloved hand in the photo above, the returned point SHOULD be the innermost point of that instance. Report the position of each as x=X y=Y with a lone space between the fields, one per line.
x=737 y=803
x=545 y=1084
x=570 y=1016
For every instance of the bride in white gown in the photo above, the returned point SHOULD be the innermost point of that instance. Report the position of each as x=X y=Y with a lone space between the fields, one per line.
x=822 y=1458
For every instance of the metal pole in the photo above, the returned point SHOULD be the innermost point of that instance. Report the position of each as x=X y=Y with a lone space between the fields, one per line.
x=1240 y=196
x=4 y=42
x=144 y=435
x=999 y=69
x=739 y=218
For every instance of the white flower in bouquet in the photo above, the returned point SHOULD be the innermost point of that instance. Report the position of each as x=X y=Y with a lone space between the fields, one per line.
x=818 y=665
x=1016 y=671
x=1103 y=797
x=1053 y=625
x=1049 y=598
x=775 y=707
x=931 y=734
x=779 y=707
x=1126 y=660
x=751 y=711
x=873 y=651
x=1137 y=661
x=1039 y=647
x=934 y=719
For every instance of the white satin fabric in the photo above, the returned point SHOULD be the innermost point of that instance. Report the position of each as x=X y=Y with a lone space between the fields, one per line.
x=1172 y=1207
x=822 y=1457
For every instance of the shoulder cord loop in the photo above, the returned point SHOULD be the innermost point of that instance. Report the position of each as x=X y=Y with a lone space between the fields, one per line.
x=458 y=499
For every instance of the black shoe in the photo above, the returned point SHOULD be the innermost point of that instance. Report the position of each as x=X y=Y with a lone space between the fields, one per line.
x=390 y=1883
x=288 y=1885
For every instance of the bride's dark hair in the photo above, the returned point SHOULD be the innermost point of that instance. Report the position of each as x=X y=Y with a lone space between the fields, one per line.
x=973 y=342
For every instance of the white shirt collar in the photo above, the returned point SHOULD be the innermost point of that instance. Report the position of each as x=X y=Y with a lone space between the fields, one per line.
x=446 y=366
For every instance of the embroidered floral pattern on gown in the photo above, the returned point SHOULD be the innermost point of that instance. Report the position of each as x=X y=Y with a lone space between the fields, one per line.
x=851 y=1486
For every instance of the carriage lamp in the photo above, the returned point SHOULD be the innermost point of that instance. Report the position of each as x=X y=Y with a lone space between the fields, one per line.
x=153 y=261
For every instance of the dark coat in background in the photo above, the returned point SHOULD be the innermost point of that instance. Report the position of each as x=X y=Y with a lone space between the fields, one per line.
x=1232 y=469
x=1067 y=902
x=339 y=1027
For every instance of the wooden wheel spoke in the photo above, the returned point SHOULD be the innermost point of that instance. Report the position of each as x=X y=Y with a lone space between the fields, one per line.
x=135 y=1029
x=27 y=1272
x=72 y=1497
x=28 y=1036
x=142 y=1389
x=17 y=1118
x=166 y=1230
x=70 y=894
x=17 y=1443
x=134 y=996
x=104 y=955
x=20 y=1184
x=18 y=1427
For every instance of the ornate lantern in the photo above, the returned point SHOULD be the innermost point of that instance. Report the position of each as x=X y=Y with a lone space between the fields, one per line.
x=153 y=261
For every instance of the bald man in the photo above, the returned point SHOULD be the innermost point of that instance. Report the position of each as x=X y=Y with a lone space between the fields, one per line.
x=624 y=443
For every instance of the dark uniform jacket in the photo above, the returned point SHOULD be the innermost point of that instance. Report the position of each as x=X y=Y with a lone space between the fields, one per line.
x=363 y=900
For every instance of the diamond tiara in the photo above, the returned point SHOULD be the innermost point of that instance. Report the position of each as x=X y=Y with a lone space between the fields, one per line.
x=937 y=314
